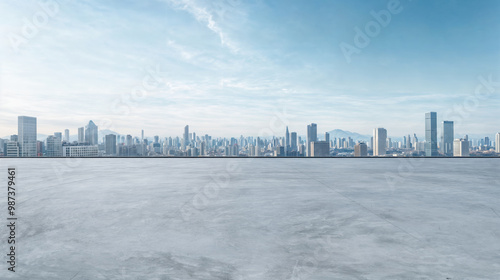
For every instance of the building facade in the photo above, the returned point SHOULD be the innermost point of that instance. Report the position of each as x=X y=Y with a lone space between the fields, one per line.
x=80 y=151
x=320 y=149
x=91 y=134
x=497 y=143
x=312 y=135
x=26 y=132
x=360 y=150
x=448 y=136
x=81 y=135
x=379 y=141
x=460 y=148
x=110 y=141
x=431 y=134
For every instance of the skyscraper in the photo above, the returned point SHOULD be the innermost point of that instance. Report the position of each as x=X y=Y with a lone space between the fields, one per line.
x=66 y=135
x=293 y=139
x=327 y=137
x=110 y=145
x=186 y=137
x=448 y=136
x=431 y=134
x=53 y=145
x=91 y=133
x=81 y=135
x=379 y=141
x=287 y=141
x=460 y=148
x=26 y=131
x=312 y=135
x=497 y=143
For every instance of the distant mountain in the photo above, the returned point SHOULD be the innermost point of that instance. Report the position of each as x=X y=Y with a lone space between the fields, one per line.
x=339 y=133
x=104 y=132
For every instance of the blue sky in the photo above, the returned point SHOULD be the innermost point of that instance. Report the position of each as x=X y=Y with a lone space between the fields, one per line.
x=234 y=67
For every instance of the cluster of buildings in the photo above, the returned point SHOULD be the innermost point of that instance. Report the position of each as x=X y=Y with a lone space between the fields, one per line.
x=89 y=144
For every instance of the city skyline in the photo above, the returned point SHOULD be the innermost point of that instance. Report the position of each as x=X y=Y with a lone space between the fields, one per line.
x=230 y=67
x=90 y=144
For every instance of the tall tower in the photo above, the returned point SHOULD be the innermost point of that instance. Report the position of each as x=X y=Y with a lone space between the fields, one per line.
x=312 y=135
x=66 y=135
x=497 y=143
x=91 y=132
x=379 y=141
x=81 y=135
x=110 y=145
x=186 y=136
x=26 y=132
x=448 y=136
x=293 y=139
x=431 y=134
x=287 y=141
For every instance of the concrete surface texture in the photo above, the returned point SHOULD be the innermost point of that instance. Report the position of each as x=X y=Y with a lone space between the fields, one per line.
x=255 y=218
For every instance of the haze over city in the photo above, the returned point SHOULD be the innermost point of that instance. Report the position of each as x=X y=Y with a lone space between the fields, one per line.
x=228 y=68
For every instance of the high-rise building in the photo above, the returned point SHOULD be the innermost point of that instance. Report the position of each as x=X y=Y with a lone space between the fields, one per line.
x=408 y=142
x=53 y=146
x=497 y=143
x=431 y=134
x=110 y=142
x=360 y=150
x=91 y=134
x=66 y=135
x=287 y=141
x=130 y=140
x=26 y=132
x=460 y=148
x=293 y=139
x=81 y=134
x=186 y=137
x=320 y=149
x=448 y=136
x=312 y=135
x=327 y=137
x=379 y=141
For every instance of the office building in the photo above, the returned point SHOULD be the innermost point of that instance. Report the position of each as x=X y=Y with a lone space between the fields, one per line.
x=312 y=135
x=320 y=149
x=379 y=141
x=431 y=134
x=53 y=146
x=26 y=132
x=185 y=142
x=80 y=151
x=447 y=139
x=66 y=135
x=460 y=148
x=12 y=148
x=497 y=143
x=293 y=141
x=287 y=141
x=91 y=134
x=360 y=150
x=81 y=135
x=110 y=141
